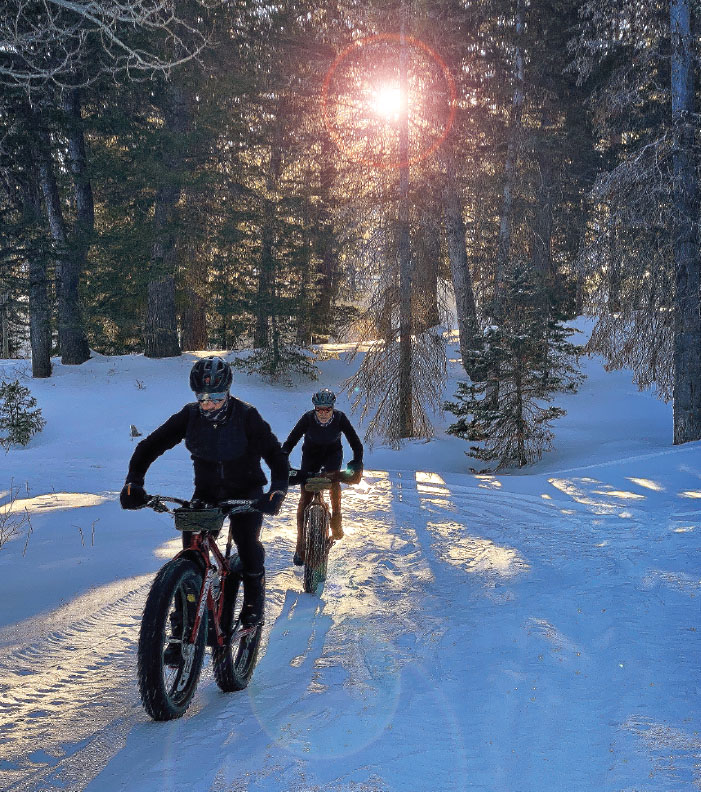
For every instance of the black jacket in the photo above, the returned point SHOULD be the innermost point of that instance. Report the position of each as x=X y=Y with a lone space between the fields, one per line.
x=226 y=454
x=323 y=440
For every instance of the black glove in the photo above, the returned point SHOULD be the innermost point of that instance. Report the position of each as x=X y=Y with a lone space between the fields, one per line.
x=354 y=471
x=133 y=496
x=270 y=503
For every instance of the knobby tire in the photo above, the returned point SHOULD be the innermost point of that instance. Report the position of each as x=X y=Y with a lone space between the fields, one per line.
x=166 y=691
x=317 y=545
x=233 y=663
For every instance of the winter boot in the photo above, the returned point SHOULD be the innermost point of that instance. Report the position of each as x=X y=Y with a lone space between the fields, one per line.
x=336 y=529
x=173 y=653
x=298 y=558
x=253 y=599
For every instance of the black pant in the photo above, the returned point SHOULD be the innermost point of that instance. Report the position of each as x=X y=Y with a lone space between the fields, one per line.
x=315 y=459
x=245 y=530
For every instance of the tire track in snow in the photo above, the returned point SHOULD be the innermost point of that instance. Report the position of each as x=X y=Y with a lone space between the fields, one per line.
x=63 y=696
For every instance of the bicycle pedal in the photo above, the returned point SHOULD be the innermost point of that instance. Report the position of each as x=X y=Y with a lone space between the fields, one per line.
x=243 y=632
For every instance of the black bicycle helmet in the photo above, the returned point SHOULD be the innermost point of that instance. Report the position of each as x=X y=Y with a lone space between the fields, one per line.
x=324 y=398
x=211 y=375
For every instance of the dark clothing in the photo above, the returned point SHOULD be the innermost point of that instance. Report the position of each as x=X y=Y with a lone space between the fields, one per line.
x=226 y=454
x=245 y=531
x=314 y=462
x=322 y=442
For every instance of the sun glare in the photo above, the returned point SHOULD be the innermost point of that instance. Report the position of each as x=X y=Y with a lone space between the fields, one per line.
x=387 y=102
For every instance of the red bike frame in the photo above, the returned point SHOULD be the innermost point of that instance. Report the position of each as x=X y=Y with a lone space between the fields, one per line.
x=204 y=545
x=217 y=567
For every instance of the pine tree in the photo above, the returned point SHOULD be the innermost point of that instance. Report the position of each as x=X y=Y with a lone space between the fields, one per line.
x=534 y=360
x=18 y=420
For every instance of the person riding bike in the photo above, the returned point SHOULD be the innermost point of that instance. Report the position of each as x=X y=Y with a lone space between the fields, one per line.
x=227 y=438
x=322 y=428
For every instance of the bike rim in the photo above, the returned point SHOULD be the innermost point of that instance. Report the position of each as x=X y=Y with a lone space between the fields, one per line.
x=177 y=677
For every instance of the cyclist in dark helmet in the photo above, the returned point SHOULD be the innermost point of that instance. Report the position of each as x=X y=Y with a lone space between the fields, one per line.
x=322 y=428
x=227 y=439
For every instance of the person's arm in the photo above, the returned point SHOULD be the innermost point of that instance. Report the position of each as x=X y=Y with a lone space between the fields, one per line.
x=270 y=450
x=160 y=440
x=353 y=439
x=295 y=435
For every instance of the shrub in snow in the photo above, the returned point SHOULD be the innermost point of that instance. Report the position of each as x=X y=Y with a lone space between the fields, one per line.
x=12 y=521
x=279 y=363
x=18 y=420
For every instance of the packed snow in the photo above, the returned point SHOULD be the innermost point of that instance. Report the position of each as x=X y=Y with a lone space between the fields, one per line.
x=535 y=631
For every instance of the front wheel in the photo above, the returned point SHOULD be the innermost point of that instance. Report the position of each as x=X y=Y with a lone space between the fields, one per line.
x=316 y=547
x=168 y=664
x=233 y=663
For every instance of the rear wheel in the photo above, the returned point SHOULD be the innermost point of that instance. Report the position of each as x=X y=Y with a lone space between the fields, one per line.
x=233 y=663
x=316 y=547
x=168 y=664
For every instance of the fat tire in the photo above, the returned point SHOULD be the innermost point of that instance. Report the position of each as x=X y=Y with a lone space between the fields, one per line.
x=234 y=662
x=177 y=578
x=316 y=548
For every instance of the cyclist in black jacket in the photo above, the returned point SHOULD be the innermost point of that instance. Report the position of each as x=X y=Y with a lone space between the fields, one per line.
x=227 y=439
x=322 y=428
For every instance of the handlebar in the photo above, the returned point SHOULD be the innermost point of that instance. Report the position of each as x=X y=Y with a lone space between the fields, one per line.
x=301 y=477
x=158 y=504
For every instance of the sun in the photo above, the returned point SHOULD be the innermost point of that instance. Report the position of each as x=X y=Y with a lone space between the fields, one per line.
x=387 y=102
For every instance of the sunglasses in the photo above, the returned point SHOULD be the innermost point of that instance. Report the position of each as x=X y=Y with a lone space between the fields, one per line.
x=324 y=409
x=213 y=397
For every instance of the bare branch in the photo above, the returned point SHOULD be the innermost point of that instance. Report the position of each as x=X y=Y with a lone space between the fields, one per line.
x=57 y=40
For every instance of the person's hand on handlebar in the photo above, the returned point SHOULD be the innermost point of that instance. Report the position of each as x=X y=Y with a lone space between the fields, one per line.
x=353 y=472
x=270 y=503
x=133 y=496
x=296 y=476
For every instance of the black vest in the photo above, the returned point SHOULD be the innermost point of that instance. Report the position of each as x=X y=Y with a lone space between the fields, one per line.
x=221 y=441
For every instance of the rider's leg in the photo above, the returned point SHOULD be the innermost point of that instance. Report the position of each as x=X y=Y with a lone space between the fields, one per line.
x=245 y=530
x=173 y=651
x=304 y=499
x=335 y=494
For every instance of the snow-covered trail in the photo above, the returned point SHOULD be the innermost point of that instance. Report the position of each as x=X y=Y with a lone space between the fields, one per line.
x=469 y=637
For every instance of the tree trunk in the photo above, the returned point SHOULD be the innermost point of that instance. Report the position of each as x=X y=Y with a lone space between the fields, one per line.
x=514 y=137
x=71 y=336
x=425 y=313
x=406 y=427
x=265 y=308
x=160 y=332
x=194 y=320
x=541 y=253
x=507 y=210
x=75 y=349
x=305 y=316
x=193 y=313
x=519 y=408
x=687 y=316
x=325 y=241
x=161 y=328
x=261 y=337
x=39 y=307
x=460 y=273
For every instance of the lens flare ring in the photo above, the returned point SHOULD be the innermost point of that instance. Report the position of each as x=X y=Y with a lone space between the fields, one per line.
x=393 y=38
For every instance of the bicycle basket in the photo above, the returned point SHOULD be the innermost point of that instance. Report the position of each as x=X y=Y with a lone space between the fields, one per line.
x=199 y=519
x=317 y=484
